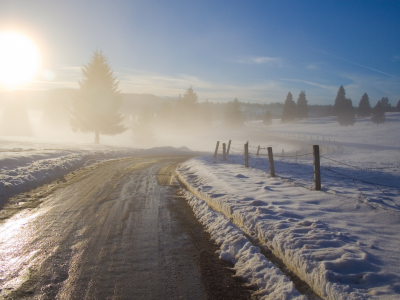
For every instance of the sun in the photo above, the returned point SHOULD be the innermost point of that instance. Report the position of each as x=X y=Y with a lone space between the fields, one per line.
x=19 y=59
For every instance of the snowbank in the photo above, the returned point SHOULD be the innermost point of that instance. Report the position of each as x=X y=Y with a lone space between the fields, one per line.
x=343 y=247
x=26 y=163
x=24 y=172
x=237 y=249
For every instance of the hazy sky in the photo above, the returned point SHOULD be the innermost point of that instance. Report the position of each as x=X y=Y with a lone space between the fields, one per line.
x=253 y=50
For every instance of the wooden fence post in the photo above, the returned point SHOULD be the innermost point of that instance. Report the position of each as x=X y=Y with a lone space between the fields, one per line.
x=229 y=147
x=216 y=149
x=246 y=155
x=317 y=169
x=296 y=155
x=282 y=152
x=258 y=150
x=223 y=151
x=271 y=162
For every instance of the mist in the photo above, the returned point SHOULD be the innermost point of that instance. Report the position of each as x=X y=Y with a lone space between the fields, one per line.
x=152 y=121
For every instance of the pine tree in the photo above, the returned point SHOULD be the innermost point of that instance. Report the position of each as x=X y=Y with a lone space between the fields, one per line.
x=190 y=97
x=398 y=106
x=339 y=101
x=289 y=109
x=378 y=114
x=267 y=120
x=386 y=104
x=179 y=100
x=187 y=109
x=364 y=107
x=347 y=115
x=302 y=106
x=95 y=106
x=343 y=108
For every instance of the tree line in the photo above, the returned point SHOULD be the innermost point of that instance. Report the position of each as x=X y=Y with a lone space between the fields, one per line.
x=346 y=113
x=95 y=108
x=342 y=108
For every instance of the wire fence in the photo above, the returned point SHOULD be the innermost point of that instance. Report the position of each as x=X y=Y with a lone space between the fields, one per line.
x=302 y=136
x=375 y=185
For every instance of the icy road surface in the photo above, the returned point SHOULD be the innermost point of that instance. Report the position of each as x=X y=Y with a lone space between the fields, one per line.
x=114 y=230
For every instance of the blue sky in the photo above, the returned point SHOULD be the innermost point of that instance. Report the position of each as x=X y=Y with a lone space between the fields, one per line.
x=254 y=50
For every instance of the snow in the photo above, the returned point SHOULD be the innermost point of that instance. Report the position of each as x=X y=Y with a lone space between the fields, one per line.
x=343 y=240
x=237 y=249
x=26 y=163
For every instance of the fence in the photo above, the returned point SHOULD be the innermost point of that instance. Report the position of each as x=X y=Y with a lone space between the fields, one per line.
x=316 y=156
x=322 y=165
x=304 y=136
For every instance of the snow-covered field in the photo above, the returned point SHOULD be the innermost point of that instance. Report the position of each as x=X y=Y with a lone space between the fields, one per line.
x=343 y=241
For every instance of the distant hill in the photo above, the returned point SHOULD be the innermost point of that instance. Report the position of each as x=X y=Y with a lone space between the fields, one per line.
x=37 y=99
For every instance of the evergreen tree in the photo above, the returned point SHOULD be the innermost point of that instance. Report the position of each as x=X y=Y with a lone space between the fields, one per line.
x=289 y=109
x=267 y=120
x=187 y=108
x=339 y=101
x=95 y=106
x=347 y=115
x=343 y=108
x=190 y=97
x=398 y=106
x=386 y=104
x=179 y=100
x=302 y=106
x=364 y=107
x=378 y=114
x=233 y=114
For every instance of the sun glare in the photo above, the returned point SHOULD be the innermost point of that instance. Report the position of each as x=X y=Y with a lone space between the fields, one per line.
x=19 y=59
